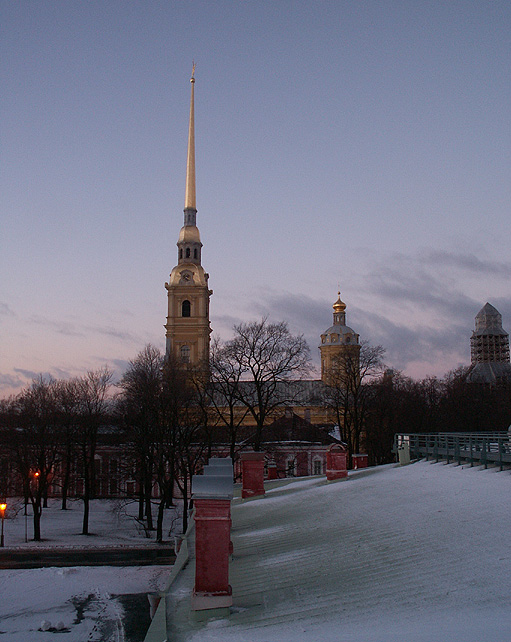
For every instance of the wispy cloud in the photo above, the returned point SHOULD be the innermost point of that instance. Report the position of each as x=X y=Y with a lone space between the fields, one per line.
x=467 y=262
x=60 y=327
x=5 y=310
x=11 y=382
x=114 y=333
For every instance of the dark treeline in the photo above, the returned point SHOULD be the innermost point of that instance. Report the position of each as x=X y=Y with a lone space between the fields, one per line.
x=399 y=404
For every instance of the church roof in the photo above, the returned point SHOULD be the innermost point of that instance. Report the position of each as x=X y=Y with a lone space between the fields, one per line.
x=488 y=310
x=339 y=329
x=489 y=372
x=488 y=321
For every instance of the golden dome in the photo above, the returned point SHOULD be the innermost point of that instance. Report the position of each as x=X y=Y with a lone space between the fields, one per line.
x=189 y=234
x=339 y=306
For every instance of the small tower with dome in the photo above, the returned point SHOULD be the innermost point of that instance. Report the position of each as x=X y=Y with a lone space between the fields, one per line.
x=340 y=346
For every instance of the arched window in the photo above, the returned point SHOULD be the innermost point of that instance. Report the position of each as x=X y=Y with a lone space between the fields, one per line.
x=181 y=254
x=187 y=252
x=195 y=253
x=185 y=308
x=185 y=354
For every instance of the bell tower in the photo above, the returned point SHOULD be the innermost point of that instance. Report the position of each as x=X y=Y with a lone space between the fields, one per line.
x=188 y=329
x=340 y=347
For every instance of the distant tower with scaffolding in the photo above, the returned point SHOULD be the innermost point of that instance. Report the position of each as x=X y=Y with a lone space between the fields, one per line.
x=489 y=348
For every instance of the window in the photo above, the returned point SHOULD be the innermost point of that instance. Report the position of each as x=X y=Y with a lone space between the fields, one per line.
x=185 y=354
x=195 y=253
x=180 y=254
x=185 y=308
x=317 y=467
x=290 y=467
x=187 y=252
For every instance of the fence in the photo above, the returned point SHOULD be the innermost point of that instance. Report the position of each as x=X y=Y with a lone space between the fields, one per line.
x=479 y=448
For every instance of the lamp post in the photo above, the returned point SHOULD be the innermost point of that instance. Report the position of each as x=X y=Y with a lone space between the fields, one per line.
x=2 y=509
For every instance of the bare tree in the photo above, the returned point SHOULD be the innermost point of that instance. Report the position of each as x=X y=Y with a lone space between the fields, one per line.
x=266 y=356
x=93 y=404
x=140 y=407
x=220 y=394
x=37 y=441
x=348 y=394
x=181 y=439
x=67 y=408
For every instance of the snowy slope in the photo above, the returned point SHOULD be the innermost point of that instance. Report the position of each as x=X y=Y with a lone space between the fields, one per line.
x=417 y=554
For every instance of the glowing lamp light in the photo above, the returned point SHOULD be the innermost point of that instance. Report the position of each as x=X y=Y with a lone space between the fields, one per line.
x=3 y=507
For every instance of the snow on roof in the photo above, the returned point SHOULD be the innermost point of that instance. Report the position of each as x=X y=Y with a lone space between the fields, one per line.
x=419 y=553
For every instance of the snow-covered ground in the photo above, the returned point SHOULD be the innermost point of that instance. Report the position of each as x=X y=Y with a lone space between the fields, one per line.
x=111 y=522
x=91 y=603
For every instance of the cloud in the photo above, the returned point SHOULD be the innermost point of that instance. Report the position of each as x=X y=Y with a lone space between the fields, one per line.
x=11 y=382
x=118 y=366
x=114 y=333
x=5 y=310
x=60 y=327
x=467 y=262
x=76 y=330
x=31 y=374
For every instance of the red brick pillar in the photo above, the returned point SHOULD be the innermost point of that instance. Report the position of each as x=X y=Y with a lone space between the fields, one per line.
x=272 y=470
x=359 y=461
x=336 y=468
x=212 y=502
x=252 y=474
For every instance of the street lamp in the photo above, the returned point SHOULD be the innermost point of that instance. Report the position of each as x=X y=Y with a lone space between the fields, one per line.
x=2 y=510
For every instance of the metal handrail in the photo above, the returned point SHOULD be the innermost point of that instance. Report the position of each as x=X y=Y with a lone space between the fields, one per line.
x=480 y=447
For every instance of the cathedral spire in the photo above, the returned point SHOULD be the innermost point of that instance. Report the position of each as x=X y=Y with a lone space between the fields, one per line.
x=190 y=205
x=189 y=243
x=188 y=328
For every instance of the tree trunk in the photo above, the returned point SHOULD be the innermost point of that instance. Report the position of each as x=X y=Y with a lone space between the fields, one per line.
x=185 y=503
x=36 y=507
x=65 y=483
x=148 y=507
x=86 y=497
x=85 y=526
x=159 y=520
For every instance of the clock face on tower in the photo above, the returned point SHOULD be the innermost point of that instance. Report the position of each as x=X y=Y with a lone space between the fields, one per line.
x=186 y=277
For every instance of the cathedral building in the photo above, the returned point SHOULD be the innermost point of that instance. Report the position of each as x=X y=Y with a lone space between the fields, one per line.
x=188 y=328
x=299 y=430
x=489 y=348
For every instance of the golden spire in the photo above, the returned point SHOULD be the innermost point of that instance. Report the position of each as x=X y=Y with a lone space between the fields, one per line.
x=190 y=160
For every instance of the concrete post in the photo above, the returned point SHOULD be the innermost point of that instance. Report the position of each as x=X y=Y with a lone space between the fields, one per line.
x=252 y=474
x=272 y=470
x=359 y=460
x=336 y=468
x=212 y=500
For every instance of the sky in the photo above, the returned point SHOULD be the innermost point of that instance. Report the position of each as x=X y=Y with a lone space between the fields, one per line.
x=355 y=146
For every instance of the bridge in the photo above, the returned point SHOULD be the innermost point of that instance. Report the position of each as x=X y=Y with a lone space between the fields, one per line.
x=479 y=448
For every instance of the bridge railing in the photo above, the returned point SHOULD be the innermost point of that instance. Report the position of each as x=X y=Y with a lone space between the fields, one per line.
x=480 y=448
